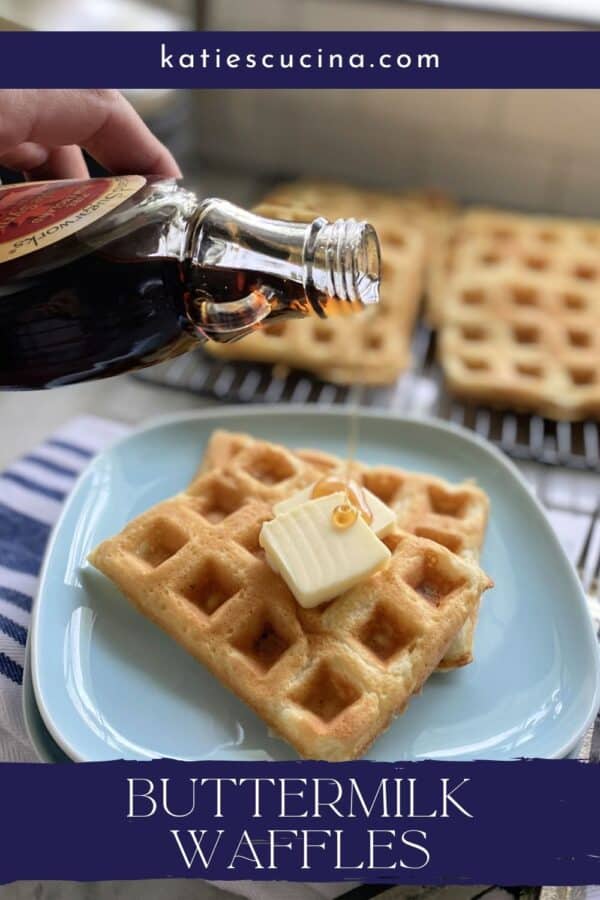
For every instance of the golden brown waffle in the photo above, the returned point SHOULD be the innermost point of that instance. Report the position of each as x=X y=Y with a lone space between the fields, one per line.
x=517 y=301
x=374 y=346
x=454 y=516
x=327 y=681
x=426 y=210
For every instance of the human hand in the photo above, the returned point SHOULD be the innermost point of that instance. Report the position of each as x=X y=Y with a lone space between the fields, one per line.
x=42 y=133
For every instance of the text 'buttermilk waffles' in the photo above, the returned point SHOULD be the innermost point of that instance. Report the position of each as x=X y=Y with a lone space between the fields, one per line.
x=327 y=679
x=516 y=299
x=374 y=347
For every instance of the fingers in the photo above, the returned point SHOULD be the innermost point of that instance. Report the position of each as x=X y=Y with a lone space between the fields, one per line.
x=102 y=122
x=64 y=162
x=124 y=144
x=39 y=164
x=24 y=157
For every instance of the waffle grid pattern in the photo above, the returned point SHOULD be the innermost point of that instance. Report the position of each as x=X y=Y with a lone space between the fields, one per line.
x=454 y=516
x=328 y=680
x=517 y=302
x=373 y=348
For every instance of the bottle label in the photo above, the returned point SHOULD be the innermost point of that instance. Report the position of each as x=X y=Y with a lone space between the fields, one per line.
x=36 y=214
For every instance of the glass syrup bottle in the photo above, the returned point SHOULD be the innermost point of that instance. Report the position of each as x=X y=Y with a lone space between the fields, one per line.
x=108 y=275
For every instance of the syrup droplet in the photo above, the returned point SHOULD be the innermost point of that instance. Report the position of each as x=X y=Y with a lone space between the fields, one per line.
x=355 y=496
x=344 y=516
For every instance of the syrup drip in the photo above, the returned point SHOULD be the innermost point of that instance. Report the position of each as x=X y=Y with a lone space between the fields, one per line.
x=346 y=514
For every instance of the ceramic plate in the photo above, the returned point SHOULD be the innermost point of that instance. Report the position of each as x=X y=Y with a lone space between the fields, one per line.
x=109 y=684
x=43 y=743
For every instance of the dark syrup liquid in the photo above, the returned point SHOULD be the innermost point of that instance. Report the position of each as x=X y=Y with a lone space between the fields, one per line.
x=107 y=312
x=110 y=299
x=91 y=318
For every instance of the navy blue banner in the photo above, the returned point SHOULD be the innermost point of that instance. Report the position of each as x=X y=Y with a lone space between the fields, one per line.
x=309 y=59
x=528 y=822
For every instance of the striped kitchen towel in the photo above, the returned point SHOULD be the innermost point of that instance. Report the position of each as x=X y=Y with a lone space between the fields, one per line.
x=32 y=491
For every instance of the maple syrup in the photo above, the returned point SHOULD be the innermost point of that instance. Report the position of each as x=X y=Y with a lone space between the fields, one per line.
x=344 y=516
x=103 y=276
x=355 y=500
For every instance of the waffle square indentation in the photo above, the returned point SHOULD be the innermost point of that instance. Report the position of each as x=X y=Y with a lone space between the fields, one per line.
x=385 y=485
x=431 y=581
x=269 y=466
x=326 y=693
x=384 y=634
x=581 y=376
x=447 y=503
x=215 y=500
x=162 y=540
x=263 y=644
x=209 y=587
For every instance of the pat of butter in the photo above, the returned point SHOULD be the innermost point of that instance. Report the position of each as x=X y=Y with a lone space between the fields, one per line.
x=316 y=560
x=384 y=518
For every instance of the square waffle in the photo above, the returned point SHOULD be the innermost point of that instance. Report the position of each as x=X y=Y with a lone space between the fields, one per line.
x=328 y=680
x=517 y=301
x=373 y=347
x=426 y=210
x=454 y=516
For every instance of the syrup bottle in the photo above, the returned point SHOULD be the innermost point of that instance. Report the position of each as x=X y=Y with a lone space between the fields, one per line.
x=107 y=275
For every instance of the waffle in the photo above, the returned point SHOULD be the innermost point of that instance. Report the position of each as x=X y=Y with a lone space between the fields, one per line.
x=329 y=680
x=373 y=347
x=426 y=210
x=428 y=507
x=517 y=301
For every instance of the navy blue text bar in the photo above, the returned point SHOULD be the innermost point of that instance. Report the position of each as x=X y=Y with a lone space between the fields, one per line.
x=526 y=822
x=310 y=59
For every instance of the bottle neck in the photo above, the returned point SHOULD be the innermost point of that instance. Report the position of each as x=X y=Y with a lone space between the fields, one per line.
x=336 y=263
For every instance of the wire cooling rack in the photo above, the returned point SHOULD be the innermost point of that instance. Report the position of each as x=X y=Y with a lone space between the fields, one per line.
x=420 y=390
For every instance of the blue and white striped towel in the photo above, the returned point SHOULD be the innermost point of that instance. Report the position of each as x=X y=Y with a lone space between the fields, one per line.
x=32 y=491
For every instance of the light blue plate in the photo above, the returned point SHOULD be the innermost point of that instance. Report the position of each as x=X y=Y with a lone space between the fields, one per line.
x=110 y=684
x=43 y=743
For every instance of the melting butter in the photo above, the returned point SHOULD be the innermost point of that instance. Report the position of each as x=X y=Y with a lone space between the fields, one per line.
x=382 y=519
x=316 y=560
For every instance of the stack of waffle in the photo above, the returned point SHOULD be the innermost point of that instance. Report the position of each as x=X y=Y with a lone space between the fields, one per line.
x=329 y=680
x=374 y=347
x=516 y=300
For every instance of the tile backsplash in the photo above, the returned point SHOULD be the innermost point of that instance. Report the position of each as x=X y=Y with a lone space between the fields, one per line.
x=529 y=149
